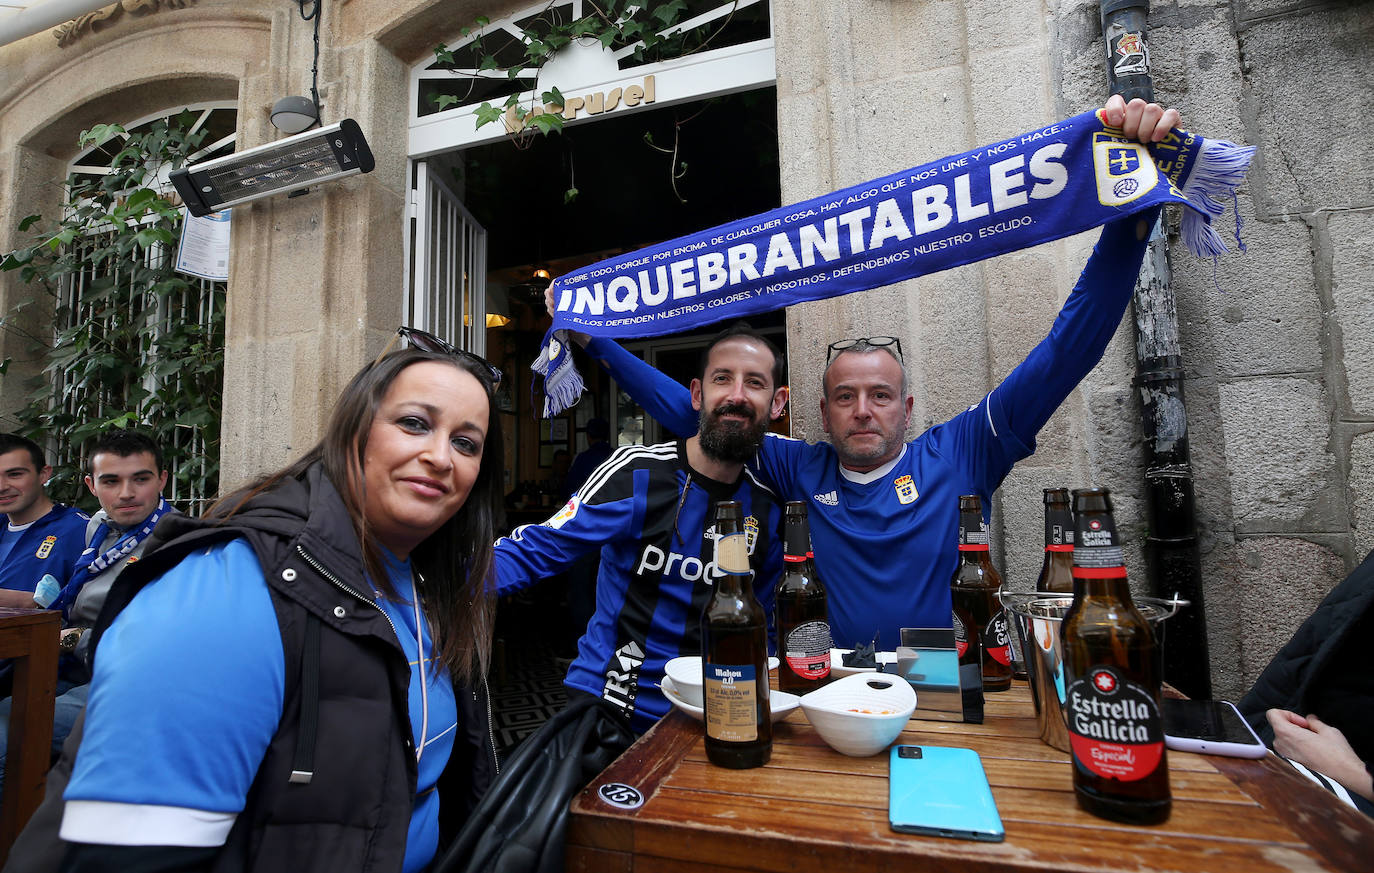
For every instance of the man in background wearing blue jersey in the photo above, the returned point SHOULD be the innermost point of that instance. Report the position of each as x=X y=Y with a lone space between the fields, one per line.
x=883 y=511
x=37 y=536
x=650 y=510
x=127 y=477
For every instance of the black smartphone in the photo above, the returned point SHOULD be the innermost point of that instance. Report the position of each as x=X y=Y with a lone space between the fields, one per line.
x=1213 y=727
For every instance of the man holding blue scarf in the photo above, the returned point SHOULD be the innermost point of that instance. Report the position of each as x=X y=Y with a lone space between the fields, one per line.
x=883 y=510
x=127 y=477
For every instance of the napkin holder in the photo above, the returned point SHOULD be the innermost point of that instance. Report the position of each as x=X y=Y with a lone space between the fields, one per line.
x=945 y=691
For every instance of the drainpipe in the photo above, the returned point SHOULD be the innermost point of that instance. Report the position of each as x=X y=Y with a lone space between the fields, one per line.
x=1171 y=547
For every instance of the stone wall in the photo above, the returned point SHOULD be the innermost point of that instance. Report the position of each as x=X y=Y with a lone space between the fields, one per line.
x=1278 y=343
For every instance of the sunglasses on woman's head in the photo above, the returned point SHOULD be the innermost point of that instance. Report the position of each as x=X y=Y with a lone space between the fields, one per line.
x=428 y=342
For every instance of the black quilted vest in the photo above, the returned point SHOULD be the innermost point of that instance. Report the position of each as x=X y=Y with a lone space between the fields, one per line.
x=348 y=740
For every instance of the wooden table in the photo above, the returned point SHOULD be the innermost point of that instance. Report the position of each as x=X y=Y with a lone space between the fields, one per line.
x=813 y=809
x=29 y=636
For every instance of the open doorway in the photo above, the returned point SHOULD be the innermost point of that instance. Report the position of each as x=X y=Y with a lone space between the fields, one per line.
x=596 y=190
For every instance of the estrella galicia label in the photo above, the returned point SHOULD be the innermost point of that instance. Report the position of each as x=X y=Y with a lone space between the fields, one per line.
x=1115 y=728
x=997 y=638
x=620 y=795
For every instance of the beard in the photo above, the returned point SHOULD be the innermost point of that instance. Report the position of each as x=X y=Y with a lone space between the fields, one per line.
x=851 y=454
x=732 y=442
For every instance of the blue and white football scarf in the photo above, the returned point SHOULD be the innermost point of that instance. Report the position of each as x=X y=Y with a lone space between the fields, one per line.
x=1041 y=186
x=89 y=564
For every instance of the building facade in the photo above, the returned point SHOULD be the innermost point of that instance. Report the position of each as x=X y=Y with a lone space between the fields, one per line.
x=1277 y=343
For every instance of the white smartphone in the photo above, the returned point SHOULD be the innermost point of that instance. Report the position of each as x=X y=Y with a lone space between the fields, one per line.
x=1213 y=727
x=941 y=792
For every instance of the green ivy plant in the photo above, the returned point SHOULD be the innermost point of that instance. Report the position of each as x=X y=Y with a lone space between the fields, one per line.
x=142 y=345
x=651 y=27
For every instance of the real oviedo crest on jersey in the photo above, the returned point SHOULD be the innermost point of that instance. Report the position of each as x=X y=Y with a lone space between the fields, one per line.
x=906 y=490
x=1115 y=728
x=45 y=548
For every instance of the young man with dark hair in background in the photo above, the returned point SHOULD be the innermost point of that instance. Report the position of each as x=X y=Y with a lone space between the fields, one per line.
x=37 y=536
x=127 y=477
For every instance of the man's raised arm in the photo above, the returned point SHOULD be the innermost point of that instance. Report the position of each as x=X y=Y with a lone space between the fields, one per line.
x=669 y=403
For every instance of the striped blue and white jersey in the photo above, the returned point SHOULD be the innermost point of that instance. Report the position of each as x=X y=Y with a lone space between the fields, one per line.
x=651 y=515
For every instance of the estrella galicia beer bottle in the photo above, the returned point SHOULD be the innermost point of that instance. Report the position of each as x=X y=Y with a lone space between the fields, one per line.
x=734 y=655
x=799 y=614
x=1056 y=573
x=979 y=622
x=1116 y=732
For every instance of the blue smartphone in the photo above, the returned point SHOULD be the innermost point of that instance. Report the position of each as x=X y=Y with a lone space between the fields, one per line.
x=941 y=792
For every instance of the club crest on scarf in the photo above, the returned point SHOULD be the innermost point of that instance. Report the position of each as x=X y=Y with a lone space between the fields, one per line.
x=1124 y=170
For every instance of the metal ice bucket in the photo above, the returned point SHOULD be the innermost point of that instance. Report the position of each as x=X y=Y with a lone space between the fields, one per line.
x=1037 y=618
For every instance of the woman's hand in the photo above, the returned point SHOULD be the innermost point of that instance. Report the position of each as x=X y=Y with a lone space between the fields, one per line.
x=1321 y=747
x=1138 y=120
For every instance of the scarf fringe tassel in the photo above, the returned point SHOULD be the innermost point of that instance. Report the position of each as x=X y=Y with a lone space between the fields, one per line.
x=555 y=357
x=1216 y=176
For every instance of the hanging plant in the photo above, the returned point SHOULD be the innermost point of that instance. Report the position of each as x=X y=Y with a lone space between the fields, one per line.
x=653 y=31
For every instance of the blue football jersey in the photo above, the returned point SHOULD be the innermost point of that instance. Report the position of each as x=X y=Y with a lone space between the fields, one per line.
x=652 y=517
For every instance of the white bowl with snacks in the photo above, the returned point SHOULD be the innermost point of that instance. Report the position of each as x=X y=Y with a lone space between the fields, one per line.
x=780 y=703
x=860 y=715
x=686 y=675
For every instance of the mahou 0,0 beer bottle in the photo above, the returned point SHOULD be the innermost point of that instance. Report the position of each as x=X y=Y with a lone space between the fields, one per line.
x=1056 y=573
x=734 y=655
x=978 y=617
x=1111 y=706
x=799 y=610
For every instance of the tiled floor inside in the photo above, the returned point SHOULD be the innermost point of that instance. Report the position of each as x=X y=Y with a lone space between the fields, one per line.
x=526 y=676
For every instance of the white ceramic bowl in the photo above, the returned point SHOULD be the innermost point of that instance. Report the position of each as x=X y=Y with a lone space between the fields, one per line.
x=860 y=715
x=686 y=675
x=780 y=703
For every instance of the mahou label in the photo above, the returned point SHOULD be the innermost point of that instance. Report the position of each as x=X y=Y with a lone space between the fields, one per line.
x=1115 y=729
x=731 y=701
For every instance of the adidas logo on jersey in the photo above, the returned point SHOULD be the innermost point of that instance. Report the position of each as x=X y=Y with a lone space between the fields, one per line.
x=829 y=498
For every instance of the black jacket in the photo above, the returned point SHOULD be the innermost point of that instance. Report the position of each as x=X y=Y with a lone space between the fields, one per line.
x=1322 y=667
x=345 y=719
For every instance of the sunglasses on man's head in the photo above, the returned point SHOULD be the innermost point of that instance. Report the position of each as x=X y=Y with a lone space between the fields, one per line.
x=872 y=342
x=428 y=342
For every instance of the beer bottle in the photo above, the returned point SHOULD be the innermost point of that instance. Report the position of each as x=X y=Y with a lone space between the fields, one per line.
x=734 y=655
x=980 y=625
x=799 y=610
x=1056 y=573
x=1111 y=706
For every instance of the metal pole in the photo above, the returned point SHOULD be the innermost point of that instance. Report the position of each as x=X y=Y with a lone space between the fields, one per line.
x=1171 y=547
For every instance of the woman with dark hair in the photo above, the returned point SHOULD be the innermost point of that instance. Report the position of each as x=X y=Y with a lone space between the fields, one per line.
x=282 y=684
